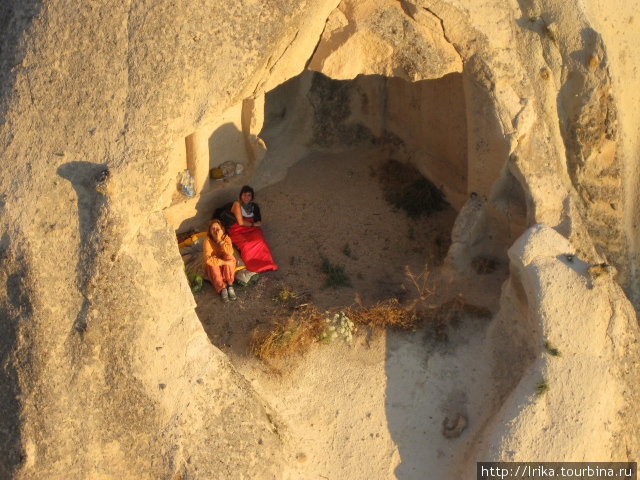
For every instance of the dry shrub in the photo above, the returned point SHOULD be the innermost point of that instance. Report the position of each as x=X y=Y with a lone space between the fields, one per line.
x=384 y=314
x=291 y=335
x=406 y=188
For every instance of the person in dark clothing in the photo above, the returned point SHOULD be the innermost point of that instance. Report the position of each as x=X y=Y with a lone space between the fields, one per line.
x=244 y=227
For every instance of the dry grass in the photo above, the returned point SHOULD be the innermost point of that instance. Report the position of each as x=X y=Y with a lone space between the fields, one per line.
x=439 y=316
x=297 y=327
x=457 y=307
x=295 y=333
x=423 y=286
x=384 y=314
x=290 y=335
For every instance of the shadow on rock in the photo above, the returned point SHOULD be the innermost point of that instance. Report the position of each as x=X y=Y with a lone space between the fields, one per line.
x=15 y=22
x=83 y=177
x=14 y=307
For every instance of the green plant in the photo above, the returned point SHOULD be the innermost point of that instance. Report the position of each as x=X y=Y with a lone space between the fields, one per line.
x=284 y=295
x=551 y=349
x=195 y=281
x=542 y=388
x=336 y=276
x=337 y=326
x=346 y=250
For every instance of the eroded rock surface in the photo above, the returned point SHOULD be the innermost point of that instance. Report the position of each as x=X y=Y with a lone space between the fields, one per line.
x=395 y=39
x=562 y=387
x=107 y=372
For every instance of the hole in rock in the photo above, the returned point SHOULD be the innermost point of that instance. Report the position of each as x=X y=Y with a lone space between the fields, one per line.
x=345 y=173
x=321 y=155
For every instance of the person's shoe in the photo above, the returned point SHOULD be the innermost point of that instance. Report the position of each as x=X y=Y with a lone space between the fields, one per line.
x=225 y=295
x=232 y=292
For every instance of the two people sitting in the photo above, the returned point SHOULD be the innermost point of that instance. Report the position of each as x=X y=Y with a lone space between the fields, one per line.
x=244 y=221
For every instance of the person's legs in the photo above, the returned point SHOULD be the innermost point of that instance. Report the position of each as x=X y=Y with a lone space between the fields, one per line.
x=254 y=250
x=229 y=271
x=228 y=275
x=215 y=277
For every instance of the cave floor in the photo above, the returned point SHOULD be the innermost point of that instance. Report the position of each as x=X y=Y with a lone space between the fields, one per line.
x=375 y=408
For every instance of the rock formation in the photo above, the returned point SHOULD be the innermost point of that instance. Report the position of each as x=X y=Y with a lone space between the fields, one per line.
x=107 y=372
x=563 y=388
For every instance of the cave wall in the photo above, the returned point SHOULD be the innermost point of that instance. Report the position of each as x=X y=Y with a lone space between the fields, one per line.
x=110 y=374
x=421 y=122
x=102 y=355
x=430 y=116
x=617 y=37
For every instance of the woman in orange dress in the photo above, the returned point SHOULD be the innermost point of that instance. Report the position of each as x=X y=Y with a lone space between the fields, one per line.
x=219 y=261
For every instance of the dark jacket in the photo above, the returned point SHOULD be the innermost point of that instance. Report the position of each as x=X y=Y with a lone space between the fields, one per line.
x=226 y=216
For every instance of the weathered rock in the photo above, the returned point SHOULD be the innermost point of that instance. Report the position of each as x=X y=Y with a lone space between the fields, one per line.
x=384 y=38
x=562 y=387
x=107 y=372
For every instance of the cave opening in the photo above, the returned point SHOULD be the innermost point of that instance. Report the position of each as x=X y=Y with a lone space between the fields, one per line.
x=319 y=151
x=421 y=123
x=447 y=128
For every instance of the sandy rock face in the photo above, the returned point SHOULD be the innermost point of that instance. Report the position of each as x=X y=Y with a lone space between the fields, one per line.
x=566 y=356
x=107 y=372
x=384 y=38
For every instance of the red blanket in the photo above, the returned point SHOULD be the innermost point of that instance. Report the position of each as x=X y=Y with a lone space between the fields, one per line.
x=253 y=249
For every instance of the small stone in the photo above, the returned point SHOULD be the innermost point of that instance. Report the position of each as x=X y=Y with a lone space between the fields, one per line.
x=102 y=181
x=551 y=31
x=545 y=73
x=301 y=457
x=453 y=429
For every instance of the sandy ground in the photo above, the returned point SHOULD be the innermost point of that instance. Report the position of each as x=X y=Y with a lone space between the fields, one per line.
x=373 y=409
